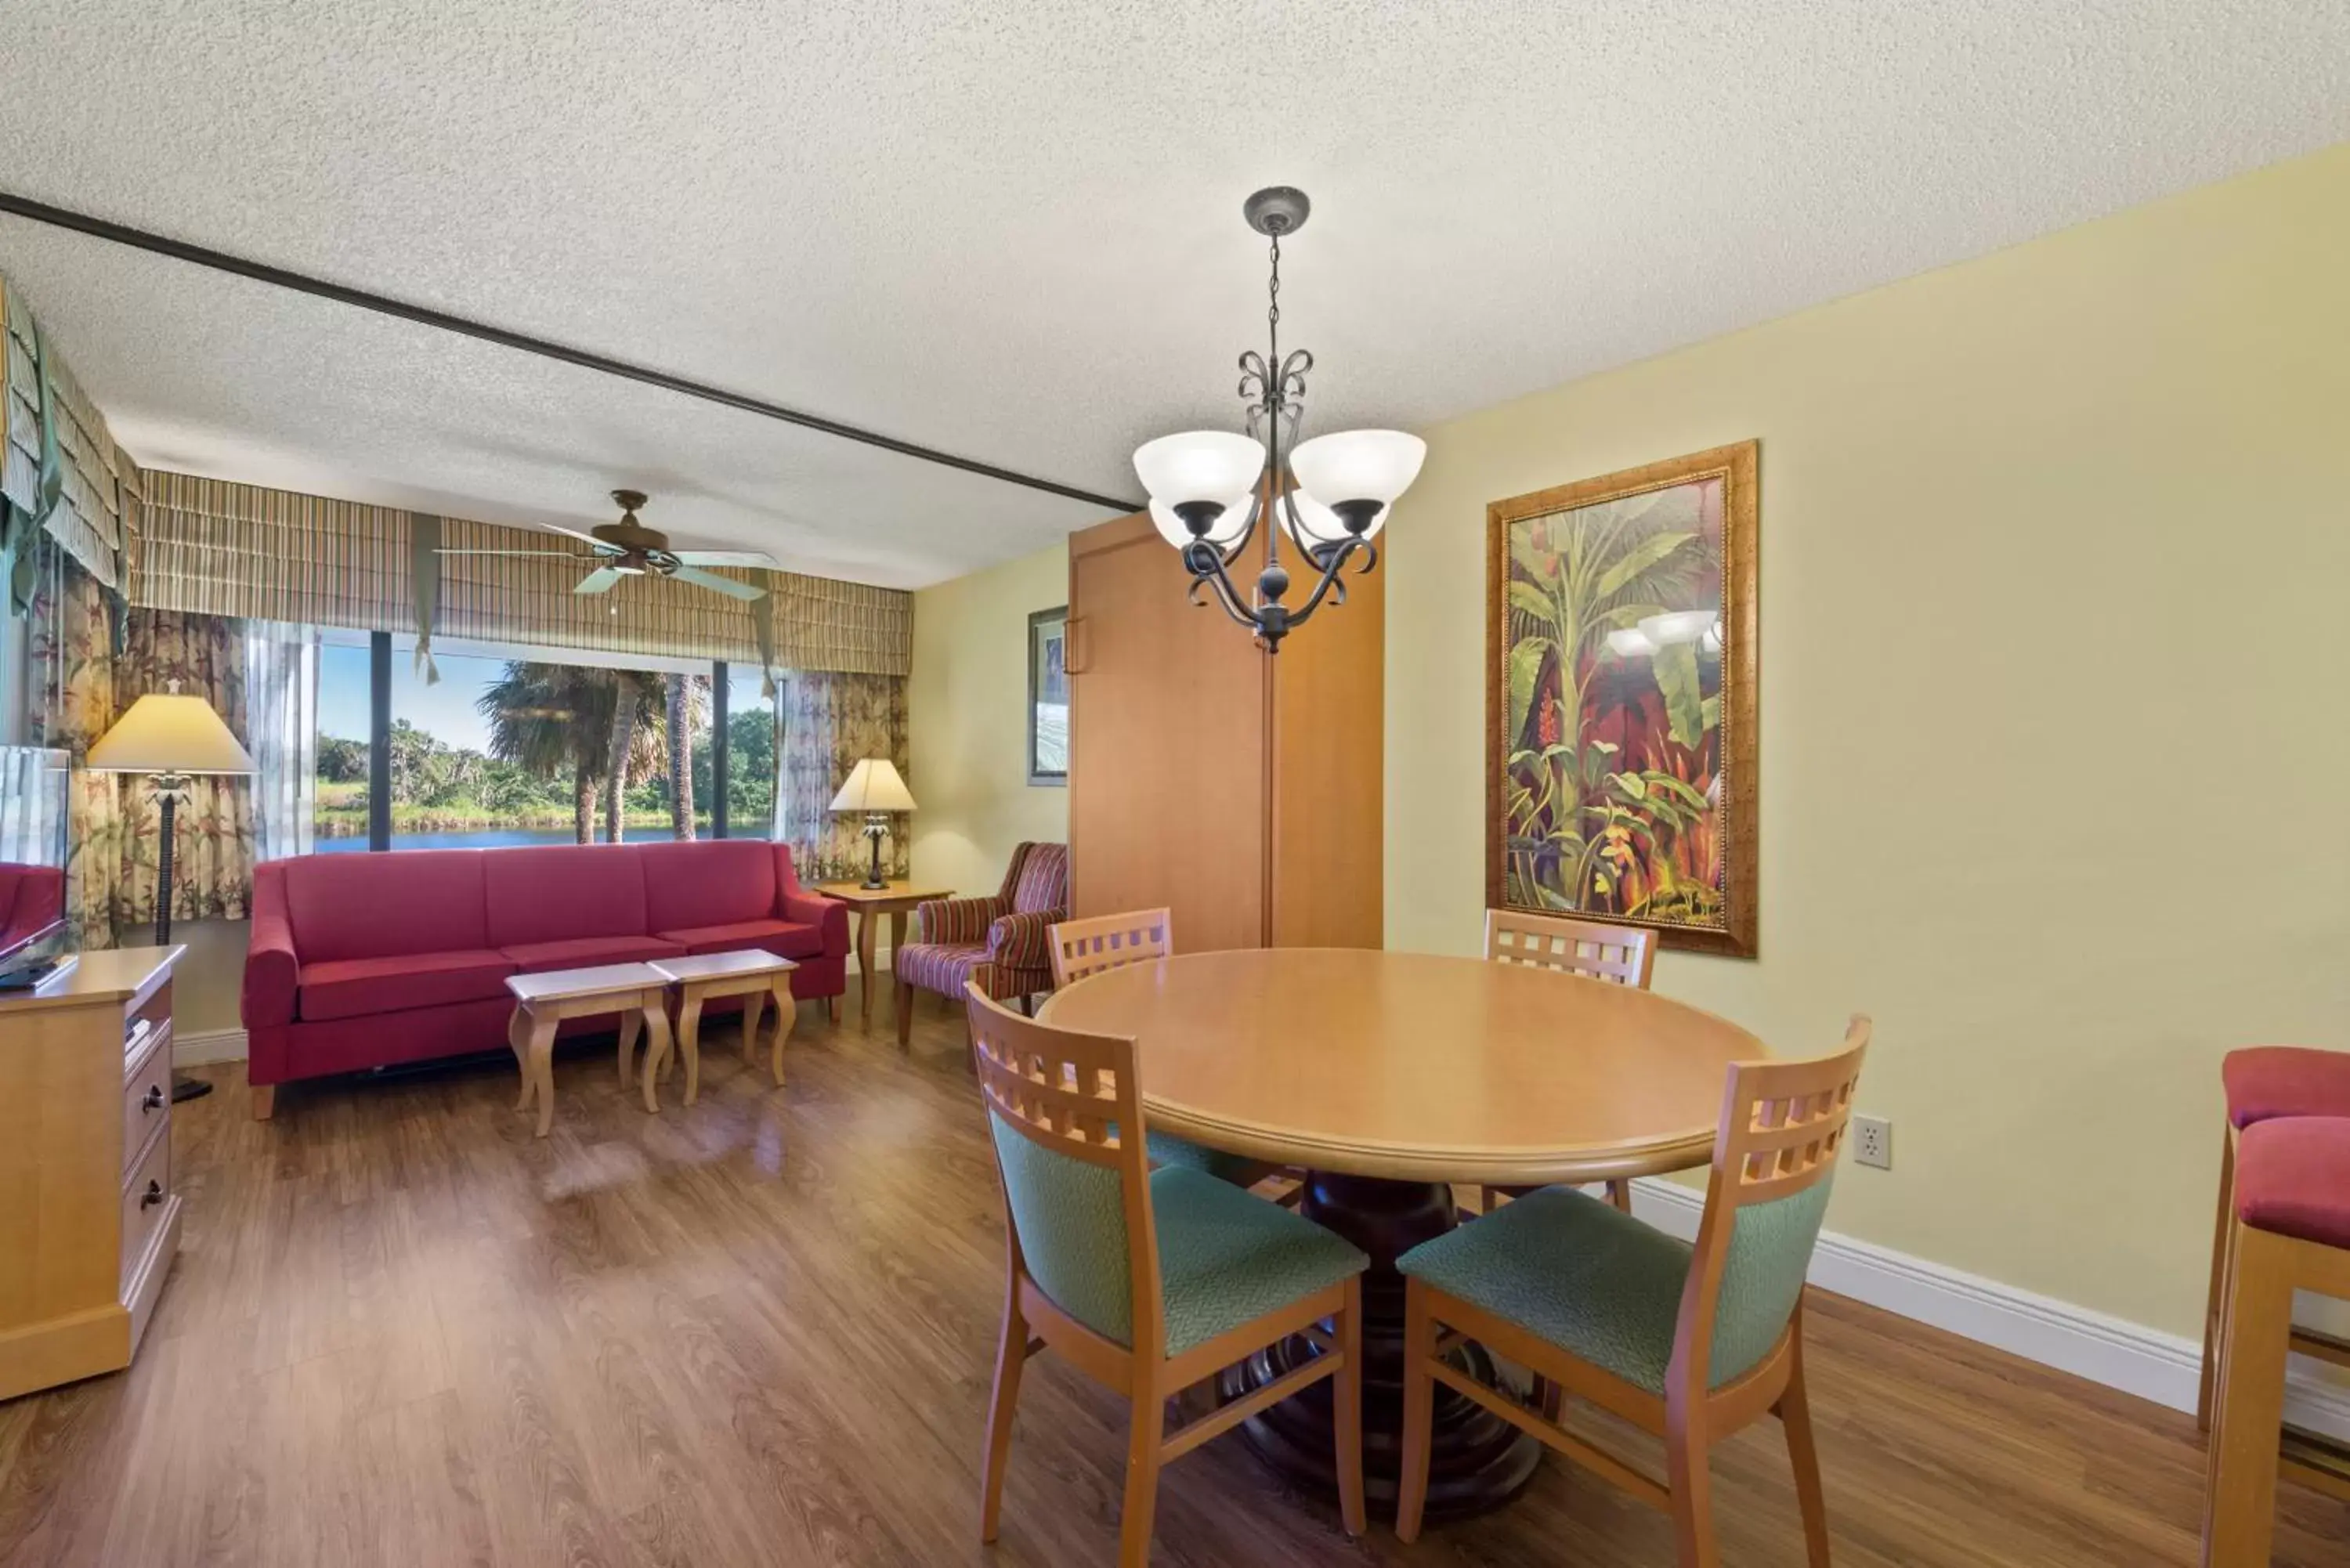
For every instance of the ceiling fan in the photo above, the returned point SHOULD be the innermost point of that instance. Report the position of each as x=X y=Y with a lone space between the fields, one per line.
x=629 y=549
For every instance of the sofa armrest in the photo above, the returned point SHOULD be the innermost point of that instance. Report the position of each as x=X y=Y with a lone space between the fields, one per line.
x=829 y=916
x=272 y=969
x=962 y=921
x=1024 y=941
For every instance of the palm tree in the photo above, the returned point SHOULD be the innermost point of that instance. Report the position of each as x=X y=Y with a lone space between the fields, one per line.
x=686 y=714
x=635 y=739
x=545 y=718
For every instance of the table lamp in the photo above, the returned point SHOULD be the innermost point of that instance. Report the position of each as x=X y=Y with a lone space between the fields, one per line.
x=875 y=789
x=169 y=736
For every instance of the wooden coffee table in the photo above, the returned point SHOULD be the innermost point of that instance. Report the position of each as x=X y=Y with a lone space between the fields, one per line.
x=542 y=1001
x=896 y=899
x=705 y=977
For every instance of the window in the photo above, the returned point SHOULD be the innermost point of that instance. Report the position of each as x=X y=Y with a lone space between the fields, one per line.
x=750 y=755
x=339 y=816
x=517 y=745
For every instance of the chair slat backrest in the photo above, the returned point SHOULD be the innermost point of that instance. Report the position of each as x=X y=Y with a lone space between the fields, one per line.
x=1625 y=954
x=1090 y=946
x=1775 y=1155
x=1066 y=1115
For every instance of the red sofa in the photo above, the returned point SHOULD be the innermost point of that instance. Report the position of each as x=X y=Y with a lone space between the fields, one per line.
x=364 y=961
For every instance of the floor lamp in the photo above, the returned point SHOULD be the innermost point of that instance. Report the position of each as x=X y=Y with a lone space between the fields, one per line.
x=169 y=737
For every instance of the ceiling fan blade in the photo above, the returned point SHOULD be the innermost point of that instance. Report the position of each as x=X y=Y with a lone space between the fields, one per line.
x=725 y=557
x=576 y=533
x=712 y=580
x=539 y=554
x=599 y=581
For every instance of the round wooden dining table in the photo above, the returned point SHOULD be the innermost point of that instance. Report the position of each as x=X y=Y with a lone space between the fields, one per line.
x=1388 y=1076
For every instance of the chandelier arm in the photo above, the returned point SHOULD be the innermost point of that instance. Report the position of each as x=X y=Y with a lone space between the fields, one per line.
x=1227 y=597
x=1338 y=562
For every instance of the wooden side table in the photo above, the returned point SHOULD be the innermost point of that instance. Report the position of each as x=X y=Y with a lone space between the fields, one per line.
x=542 y=1001
x=896 y=899
x=699 y=977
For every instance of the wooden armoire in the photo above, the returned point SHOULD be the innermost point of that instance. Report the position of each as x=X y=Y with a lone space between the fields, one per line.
x=1240 y=789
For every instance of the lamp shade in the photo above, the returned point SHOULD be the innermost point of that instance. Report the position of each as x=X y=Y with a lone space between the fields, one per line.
x=1227 y=528
x=1359 y=465
x=873 y=785
x=1198 y=466
x=169 y=734
x=1317 y=525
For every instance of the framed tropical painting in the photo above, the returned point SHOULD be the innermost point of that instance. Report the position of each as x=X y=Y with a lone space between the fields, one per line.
x=1620 y=643
x=1048 y=697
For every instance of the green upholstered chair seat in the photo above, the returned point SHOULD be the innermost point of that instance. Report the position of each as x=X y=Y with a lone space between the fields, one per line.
x=1225 y=1258
x=1606 y=1288
x=1165 y=1149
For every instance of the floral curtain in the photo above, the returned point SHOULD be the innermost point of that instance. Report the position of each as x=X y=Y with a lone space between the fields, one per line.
x=86 y=684
x=829 y=722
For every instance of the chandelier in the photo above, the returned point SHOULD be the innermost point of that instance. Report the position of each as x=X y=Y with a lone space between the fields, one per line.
x=1330 y=496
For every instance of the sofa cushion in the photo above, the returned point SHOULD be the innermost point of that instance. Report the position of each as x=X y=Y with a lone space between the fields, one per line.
x=2293 y=1179
x=785 y=938
x=584 y=952
x=2264 y=1082
x=1044 y=881
x=559 y=891
x=346 y=988
x=374 y=906
x=715 y=882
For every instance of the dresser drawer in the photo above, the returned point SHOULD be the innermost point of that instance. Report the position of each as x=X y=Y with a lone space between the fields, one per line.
x=146 y=1197
x=146 y=1098
x=139 y=1024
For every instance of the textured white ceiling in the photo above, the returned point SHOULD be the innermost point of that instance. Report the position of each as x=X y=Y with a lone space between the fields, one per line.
x=1011 y=230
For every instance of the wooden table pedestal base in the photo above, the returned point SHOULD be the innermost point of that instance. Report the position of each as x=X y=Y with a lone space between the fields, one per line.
x=1480 y=1461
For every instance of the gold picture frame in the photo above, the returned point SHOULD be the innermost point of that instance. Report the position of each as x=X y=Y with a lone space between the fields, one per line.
x=1621 y=750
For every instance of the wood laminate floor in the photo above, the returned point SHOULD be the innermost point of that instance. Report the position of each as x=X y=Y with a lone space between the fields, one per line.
x=402 y=1331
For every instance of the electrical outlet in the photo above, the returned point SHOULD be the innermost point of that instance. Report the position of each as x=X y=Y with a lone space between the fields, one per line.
x=1872 y=1142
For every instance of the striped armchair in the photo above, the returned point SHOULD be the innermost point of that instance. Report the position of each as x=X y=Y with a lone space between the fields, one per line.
x=1002 y=942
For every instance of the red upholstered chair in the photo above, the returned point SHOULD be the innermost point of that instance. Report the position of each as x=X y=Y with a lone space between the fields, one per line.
x=1003 y=943
x=2289 y=1231
x=2265 y=1083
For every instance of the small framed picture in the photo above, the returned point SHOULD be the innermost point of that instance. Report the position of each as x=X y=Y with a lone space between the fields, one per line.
x=1048 y=698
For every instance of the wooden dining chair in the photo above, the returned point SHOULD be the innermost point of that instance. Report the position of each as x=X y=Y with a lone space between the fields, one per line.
x=1689 y=1342
x=1147 y=1281
x=1102 y=942
x=1625 y=955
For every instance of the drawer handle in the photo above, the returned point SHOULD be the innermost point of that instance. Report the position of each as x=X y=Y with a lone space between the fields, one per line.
x=152 y=1196
x=154 y=1099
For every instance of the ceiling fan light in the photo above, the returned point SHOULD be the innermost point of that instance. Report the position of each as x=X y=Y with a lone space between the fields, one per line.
x=1228 y=525
x=1359 y=465
x=1676 y=625
x=1198 y=466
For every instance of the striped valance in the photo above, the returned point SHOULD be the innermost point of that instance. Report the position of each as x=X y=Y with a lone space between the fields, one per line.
x=52 y=429
x=215 y=547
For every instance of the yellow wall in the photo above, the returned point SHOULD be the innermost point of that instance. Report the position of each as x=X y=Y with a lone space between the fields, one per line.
x=967 y=703
x=2055 y=552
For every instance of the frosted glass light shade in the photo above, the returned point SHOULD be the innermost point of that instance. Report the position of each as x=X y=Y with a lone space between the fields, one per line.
x=1319 y=524
x=1198 y=466
x=873 y=785
x=1631 y=643
x=1676 y=625
x=169 y=734
x=1359 y=465
x=1223 y=531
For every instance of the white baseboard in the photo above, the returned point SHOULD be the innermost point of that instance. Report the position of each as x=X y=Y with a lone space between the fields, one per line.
x=2131 y=1357
x=203 y=1048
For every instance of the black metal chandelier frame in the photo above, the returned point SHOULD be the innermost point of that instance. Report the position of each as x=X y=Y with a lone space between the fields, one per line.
x=1272 y=391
